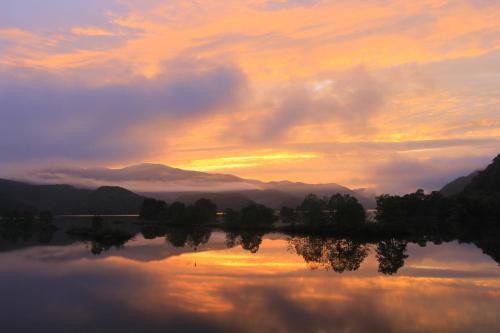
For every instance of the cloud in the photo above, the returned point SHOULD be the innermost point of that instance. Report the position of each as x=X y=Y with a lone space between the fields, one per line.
x=400 y=174
x=57 y=14
x=349 y=99
x=426 y=77
x=91 y=31
x=58 y=115
x=286 y=4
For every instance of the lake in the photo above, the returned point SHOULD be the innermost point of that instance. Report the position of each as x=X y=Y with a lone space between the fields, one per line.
x=181 y=280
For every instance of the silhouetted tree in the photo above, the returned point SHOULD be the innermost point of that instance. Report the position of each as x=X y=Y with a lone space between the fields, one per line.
x=414 y=212
x=152 y=209
x=231 y=218
x=288 y=215
x=313 y=209
x=255 y=215
x=177 y=212
x=390 y=210
x=206 y=210
x=346 y=210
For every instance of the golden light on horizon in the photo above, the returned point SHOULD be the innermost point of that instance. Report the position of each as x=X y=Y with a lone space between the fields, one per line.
x=248 y=86
x=236 y=162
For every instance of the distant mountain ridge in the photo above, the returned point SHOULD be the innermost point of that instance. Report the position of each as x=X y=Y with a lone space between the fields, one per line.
x=67 y=199
x=168 y=183
x=135 y=174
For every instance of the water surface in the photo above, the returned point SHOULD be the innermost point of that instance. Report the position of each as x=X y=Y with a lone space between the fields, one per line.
x=210 y=281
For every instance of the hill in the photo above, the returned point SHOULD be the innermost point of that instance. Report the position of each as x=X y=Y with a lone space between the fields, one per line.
x=487 y=181
x=66 y=199
x=458 y=185
x=169 y=184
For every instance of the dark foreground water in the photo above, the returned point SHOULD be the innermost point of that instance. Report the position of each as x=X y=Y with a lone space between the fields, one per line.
x=210 y=281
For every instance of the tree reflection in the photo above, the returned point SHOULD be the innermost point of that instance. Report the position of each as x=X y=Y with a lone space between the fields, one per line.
x=101 y=237
x=391 y=255
x=337 y=254
x=45 y=235
x=198 y=236
x=249 y=240
x=153 y=231
x=104 y=241
x=14 y=233
x=176 y=236
x=192 y=237
x=24 y=230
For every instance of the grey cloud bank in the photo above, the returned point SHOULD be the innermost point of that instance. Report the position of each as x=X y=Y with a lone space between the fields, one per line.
x=50 y=116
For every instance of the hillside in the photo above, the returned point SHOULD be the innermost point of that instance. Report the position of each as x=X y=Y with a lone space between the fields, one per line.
x=66 y=199
x=458 y=185
x=169 y=184
x=486 y=181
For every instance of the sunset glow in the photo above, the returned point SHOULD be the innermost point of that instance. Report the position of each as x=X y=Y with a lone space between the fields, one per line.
x=360 y=93
x=236 y=162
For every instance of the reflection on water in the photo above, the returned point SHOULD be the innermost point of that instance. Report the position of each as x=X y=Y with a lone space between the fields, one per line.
x=199 y=280
x=337 y=254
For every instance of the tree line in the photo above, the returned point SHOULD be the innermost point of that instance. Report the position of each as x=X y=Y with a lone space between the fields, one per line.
x=476 y=208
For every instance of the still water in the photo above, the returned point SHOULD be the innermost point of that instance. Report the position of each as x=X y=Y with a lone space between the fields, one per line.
x=210 y=281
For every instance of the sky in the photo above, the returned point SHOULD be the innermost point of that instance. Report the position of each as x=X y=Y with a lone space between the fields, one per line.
x=387 y=95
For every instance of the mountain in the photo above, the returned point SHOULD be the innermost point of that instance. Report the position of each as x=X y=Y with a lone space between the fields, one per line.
x=111 y=200
x=274 y=198
x=458 y=185
x=480 y=206
x=66 y=199
x=487 y=181
x=483 y=182
x=169 y=184
x=143 y=177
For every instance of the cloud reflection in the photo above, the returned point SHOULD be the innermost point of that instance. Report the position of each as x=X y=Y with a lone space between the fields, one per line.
x=216 y=289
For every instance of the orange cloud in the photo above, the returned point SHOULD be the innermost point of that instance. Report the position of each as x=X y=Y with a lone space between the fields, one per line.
x=430 y=71
x=91 y=31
